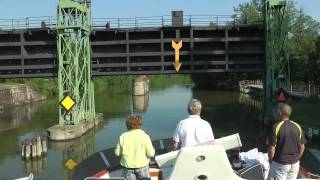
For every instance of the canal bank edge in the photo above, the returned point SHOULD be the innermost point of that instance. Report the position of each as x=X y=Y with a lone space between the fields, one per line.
x=18 y=94
x=68 y=132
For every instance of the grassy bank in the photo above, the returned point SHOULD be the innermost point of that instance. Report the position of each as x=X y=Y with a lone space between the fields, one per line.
x=306 y=111
x=44 y=86
x=49 y=86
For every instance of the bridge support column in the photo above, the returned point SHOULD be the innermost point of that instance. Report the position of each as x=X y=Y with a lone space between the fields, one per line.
x=140 y=86
x=277 y=71
x=77 y=115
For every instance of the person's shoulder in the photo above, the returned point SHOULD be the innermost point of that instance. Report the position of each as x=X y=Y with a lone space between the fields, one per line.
x=274 y=126
x=204 y=121
x=183 y=121
x=294 y=122
x=123 y=135
x=142 y=132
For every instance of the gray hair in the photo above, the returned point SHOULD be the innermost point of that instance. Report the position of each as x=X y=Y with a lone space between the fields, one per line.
x=194 y=107
x=284 y=109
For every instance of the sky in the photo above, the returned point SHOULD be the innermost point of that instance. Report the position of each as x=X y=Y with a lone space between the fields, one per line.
x=137 y=8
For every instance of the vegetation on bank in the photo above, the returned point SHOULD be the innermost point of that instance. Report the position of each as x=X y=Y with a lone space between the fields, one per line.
x=303 y=41
x=306 y=111
x=44 y=86
x=122 y=84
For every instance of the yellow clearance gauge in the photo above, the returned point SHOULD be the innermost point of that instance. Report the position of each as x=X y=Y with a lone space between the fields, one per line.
x=67 y=103
x=70 y=164
x=176 y=47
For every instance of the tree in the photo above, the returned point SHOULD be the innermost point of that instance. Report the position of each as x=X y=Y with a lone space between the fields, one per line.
x=250 y=12
x=303 y=41
x=304 y=33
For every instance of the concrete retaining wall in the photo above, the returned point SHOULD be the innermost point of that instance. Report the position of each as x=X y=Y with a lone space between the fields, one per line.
x=18 y=94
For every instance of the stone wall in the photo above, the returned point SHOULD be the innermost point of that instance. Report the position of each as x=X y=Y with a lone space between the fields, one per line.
x=18 y=94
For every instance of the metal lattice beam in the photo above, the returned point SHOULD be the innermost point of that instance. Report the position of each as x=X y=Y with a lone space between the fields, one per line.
x=277 y=72
x=74 y=56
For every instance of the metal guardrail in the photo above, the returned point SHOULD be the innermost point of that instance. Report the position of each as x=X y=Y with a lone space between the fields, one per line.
x=28 y=23
x=137 y=22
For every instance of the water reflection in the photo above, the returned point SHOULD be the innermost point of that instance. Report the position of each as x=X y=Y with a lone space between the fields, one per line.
x=35 y=166
x=247 y=100
x=76 y=150
x=13 y=117
x=161 y=109
x=140 y=103
x=227 y=116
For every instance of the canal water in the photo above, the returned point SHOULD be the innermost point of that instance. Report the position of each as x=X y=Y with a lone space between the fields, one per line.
x=166 y=104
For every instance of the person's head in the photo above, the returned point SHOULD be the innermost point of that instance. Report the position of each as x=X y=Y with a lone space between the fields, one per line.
x=283 y=111
x=134 y=122
x=194 y=107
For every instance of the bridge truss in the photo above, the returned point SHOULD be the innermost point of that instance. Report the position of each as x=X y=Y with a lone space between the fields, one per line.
x=74 y=54
x=277 y=70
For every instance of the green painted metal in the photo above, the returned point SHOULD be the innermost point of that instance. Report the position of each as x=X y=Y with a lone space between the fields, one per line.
x=277 y=71
x=74 y=56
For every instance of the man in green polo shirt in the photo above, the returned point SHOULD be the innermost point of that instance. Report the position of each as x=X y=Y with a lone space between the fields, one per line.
x=135 y=149
x=286 y=146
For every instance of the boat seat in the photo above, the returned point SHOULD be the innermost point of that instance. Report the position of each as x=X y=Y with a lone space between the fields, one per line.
x=201 y=162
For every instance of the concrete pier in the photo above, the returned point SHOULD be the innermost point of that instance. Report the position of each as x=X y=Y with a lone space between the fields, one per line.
x=140 y=86
x=67 y=132
x=140 y=103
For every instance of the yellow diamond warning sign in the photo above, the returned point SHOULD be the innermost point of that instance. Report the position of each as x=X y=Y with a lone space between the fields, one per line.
x=67 y=103
x=70 y=164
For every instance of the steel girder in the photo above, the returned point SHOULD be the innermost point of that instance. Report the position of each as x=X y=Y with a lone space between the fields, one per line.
x=277 y=71
x=74 y=56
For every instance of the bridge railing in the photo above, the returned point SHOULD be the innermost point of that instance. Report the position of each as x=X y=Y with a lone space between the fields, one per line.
x=136 y=22
x=28 y=23
x=306 y=89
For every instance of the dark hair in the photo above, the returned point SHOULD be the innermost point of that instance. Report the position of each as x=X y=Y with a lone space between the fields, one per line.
x=134 y=122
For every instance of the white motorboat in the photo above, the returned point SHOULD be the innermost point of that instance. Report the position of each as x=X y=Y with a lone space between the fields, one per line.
x=210 y=161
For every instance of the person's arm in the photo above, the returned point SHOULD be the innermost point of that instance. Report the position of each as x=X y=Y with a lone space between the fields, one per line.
x=301 y=150
x=271 y=142
x=149 y=147
x=210 y=136
x=176 y=139
x=175 y=146
x=117 y=150
x=271 y=152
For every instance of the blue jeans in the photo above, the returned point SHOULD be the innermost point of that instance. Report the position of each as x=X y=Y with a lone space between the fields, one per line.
x=137 y=173
x=283 y=172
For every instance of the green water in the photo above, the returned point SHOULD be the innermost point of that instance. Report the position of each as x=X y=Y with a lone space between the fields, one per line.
x=162 y=109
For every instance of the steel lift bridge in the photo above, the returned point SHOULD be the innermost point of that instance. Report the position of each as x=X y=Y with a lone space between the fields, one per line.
x=76 y=90
x=29 y=51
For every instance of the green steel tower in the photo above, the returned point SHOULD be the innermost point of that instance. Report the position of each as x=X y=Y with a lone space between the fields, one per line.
x=74 y=56
x=277 y=71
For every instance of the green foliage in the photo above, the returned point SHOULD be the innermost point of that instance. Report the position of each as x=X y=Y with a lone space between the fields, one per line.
x=250 y=12
x=303 y=42
x=303 y=47
x=306 y=111
x=44 y=86
x=123 y=84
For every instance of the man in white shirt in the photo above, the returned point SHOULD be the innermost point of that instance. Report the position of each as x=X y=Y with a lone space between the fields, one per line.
x=193 y=130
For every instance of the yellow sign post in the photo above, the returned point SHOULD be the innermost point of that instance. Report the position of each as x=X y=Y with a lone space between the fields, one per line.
x=70 y=164
x=67 y=103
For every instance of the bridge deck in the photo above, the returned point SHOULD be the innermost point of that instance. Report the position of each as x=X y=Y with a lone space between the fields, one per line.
x=32 y=52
